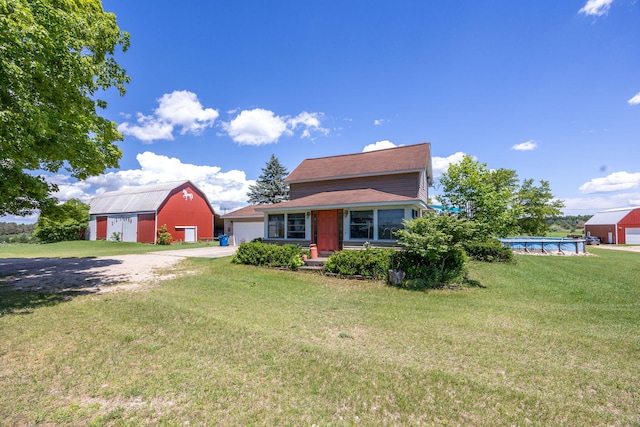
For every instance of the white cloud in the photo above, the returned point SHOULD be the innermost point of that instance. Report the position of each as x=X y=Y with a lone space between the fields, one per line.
x=378 y=122
x=310 y=121
x=441 y=164
x=261 y=127
x=225 y=190
x=176 y=109
x=256 y=127
x=380 y=145
x=525 y=146
x=182 y=108
x=596 y=7
x=617 y=181
x=635 y=100
x=591 y=205
x=148 y=129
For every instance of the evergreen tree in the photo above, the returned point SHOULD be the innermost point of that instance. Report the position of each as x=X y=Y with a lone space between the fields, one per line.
x=270 y=187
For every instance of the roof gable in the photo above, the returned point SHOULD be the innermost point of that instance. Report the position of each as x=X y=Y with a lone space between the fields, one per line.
x=409 y=158
x=147 y=198
x=612 y=216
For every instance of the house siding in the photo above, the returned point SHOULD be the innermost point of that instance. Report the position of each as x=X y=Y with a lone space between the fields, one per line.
x=406 y=184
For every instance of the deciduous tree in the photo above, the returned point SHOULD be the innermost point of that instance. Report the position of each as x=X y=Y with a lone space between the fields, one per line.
x=67 y=221
x=495 y=200
x=483 y=195
x=55 y=58
x=537 y=204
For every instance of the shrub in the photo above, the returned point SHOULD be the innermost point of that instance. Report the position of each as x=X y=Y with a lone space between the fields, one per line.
x=434 y=249
x=164 y=237
x=422 y=272
x=51 y=232
x=489 y=251
x=374 y=263
x=269 y=255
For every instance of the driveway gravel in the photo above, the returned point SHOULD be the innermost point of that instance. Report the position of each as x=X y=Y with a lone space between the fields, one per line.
x=98 y=274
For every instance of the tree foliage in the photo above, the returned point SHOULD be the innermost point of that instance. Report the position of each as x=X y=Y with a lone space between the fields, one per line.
x=483 y=195
x=64 y=222
x=270 y=187
x=434 y=249
x=55 y=57
x=495 y=200
x=537 y=204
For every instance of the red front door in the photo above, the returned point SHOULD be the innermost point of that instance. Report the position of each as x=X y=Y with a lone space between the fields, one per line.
x=327 y=231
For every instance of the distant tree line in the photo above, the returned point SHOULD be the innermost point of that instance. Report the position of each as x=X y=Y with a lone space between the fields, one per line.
x=9 y=228
x=568 y=222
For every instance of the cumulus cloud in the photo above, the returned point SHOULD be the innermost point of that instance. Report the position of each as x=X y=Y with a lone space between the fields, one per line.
x=224 y=189
x=380 y=145
x=635 y=100
x=591 y=205
x=596 y=7
x=525 y=146
x=261 y=127
x=176 y=109
x=309 y=122
x=378 y=122
x=617 y=181
x=441 y=164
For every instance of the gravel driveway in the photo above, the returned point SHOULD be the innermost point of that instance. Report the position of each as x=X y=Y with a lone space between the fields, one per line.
x=98 y=274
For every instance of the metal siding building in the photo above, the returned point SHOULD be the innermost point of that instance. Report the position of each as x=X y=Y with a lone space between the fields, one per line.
x=135 y=214
x=617 y=226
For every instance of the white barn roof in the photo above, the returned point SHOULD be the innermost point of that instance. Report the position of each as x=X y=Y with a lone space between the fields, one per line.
x=611 y=216
x=147 y=198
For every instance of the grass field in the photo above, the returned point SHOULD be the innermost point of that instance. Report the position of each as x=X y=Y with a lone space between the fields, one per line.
x=548 y=341
x=83 y=248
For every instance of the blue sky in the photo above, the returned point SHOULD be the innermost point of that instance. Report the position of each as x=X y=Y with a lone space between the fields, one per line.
x=548 y=88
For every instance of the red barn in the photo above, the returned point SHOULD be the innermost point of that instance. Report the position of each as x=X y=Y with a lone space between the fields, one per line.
x=618 y=226
x=135 y=214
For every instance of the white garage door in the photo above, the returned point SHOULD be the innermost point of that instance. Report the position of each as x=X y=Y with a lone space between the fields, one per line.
x=632 y=236
x=247 y=231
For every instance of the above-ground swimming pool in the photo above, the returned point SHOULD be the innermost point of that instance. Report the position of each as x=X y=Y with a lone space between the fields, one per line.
x=545 y=245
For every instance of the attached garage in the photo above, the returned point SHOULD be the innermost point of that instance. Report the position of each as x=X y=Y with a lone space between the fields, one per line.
x=244 y=225
x=135 y=214
x=617 y=226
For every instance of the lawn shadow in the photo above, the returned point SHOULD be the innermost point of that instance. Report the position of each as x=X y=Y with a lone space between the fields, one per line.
x=27 y=283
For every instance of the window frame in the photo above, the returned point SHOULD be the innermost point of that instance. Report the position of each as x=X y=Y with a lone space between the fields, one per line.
x=276 y=222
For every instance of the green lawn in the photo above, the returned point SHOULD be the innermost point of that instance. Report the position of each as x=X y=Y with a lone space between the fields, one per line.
x=548 y=341
x=84 y=248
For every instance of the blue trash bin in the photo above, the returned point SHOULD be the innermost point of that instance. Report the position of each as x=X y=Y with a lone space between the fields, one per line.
x=224 y=240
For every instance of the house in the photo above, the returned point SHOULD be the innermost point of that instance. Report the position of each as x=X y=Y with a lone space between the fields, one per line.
x=244 y=225
x=345 y=201
x=135 y=214
x=618 y=226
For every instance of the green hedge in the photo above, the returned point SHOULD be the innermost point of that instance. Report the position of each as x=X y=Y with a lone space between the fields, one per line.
x=269 y=255
x=374 y=263
x=489 y=251
x=422 y=273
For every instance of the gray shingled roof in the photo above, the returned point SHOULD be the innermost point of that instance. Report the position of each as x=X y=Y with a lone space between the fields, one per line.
x=146 y=198
x=608 y=217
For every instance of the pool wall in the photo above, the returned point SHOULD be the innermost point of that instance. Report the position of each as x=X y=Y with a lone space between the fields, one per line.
x=545 y=245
